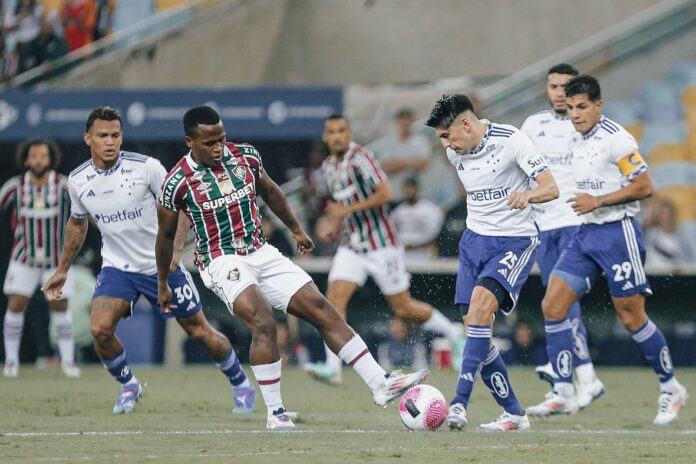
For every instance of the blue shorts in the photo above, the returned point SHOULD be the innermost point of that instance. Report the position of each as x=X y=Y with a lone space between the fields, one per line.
x=129 y=286
x=615 y=248
x=507 y=260
x=553 y=242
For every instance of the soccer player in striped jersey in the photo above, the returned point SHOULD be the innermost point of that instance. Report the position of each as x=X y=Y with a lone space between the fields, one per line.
x=40 y=206
x=495 y=164
x=611 y=177
x=216 y=185
x=119 y=190
x=369 y=243
x=551 y=131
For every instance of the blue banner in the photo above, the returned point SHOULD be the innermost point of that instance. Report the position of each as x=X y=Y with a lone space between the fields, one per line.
x=254 y=113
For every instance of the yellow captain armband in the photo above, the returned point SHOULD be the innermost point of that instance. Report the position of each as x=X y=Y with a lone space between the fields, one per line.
x=632 y=165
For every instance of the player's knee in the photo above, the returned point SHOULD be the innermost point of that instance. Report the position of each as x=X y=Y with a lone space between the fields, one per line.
x=262 y=323
x=101 y=333
x=550 y=309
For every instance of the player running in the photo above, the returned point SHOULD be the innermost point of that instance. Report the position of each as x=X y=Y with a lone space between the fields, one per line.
x=216 y=185
x=119 y=190
x=551 y=131
x=369 y=244
x=610 y=178
x=495 y=163
x=40 y=204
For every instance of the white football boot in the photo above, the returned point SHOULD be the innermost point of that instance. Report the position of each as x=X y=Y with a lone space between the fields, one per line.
x=11 y=371
x=668 y=406
x=554 y=404
x=456 y=417
x=586 y=393
x=545 y=372
x=396 y=384
x=128 y=395
x=280 y=421
x=71 y=371
x=506 y=422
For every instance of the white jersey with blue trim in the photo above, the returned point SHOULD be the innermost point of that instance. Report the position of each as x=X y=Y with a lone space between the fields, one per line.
x=505 y=161
x=551 y=134
x=123 y=202
x=605 y=160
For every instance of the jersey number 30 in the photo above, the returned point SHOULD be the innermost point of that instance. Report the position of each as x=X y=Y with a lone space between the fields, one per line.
x=183 y=293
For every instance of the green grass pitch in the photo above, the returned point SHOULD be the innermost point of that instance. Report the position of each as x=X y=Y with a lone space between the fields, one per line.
x=185 y=416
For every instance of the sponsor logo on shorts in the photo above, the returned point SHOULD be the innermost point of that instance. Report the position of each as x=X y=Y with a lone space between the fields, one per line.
x=500 y=386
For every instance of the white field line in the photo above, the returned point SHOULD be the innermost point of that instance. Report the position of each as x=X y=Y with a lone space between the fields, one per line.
x=339 y=432
x=373 y=450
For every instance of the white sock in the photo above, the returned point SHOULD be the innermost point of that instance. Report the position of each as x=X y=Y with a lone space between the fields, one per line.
x=66 y=340
x=332 y=360
x=670 y=386
x=585 y=373
x=442 y=325
x=565 y=389
x=268 y=378
x=355 y=354
x=12 y=333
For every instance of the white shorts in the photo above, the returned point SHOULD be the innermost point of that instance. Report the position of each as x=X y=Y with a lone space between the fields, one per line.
x=277 y=277
x=22 y=279
x=386 y=266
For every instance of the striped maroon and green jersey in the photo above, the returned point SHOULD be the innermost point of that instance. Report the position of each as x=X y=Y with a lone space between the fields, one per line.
x=220 y=202
x=353 y=179
x=39 y=215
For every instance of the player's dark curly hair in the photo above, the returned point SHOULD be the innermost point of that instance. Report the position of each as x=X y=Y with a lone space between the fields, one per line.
x=105 y=113
x=584 y=84
x=23 y=152
x=563 y=68
x=447 y=109
x=199 y=115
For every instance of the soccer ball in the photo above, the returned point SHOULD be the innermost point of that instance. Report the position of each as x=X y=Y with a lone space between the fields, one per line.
x=423 y=407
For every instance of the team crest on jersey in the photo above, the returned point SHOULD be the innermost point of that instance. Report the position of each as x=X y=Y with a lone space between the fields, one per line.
x=226 y=186
x=233 y=275
x=39 y=203
x=239 y=172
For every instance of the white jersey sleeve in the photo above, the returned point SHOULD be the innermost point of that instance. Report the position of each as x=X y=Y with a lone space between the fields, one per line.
x=156 y=174
x=77 y=209
x=527 y=155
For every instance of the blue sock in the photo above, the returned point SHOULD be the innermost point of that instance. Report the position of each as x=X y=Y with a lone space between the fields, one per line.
x=559 y=347
x=478 y=341
x=494 y=374
x=231 y=368
x=118 y=368
x=655 y=350
x=581 y=353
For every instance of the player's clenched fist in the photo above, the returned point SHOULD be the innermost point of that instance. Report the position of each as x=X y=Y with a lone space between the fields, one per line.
x=518 y=200
x=53 y=288
x=164 y=297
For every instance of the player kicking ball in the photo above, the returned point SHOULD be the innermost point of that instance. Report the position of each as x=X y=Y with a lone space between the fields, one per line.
x=119 y=190
x=216 y=185
x=610 y=178
x=495 y=163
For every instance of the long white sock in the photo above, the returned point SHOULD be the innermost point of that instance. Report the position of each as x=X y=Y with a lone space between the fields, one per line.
x=332 y=360
x=670 y=386
x=355 y=354
x=586 y=373
x=439 y=323
x=12 y=334
x=268 y=378
x=66 y=340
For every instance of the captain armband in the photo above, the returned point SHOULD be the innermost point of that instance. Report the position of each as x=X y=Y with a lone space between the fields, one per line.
x=632 y=165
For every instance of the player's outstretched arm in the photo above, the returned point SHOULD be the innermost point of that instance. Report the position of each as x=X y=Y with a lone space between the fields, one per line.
x=276 y=200
x=75 y=233
x=381 y=195
x=638 y=188
x=545 y=190
x=164 y=251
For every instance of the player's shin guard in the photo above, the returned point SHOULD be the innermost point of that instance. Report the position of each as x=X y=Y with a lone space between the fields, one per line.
x=232 y=370
x=475 y=351
x=118 y=368
x=12 y=334
x=356 y=355
x=268 y=378
x=581 y=353
x=66 y=340
x=655 y=350
x=559 y=347
x=495 y=376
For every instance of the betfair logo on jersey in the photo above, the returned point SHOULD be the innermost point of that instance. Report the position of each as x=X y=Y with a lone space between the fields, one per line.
x=228 y=199
x=125 y=215
x=559 y=159
x=590 y=184
x=488 y=194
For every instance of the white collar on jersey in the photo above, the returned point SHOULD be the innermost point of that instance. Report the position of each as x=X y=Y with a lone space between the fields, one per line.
x=193 y=165
x=594 y=130
x=106 y=172
x=484 y=140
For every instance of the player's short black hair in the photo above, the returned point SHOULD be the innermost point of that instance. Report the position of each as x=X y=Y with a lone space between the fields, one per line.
x=335 y=116
x=563 y=68
x=584 y=84
x=105 y=113
x=412 y=181
x=199 y=115
x=447 y=109
x=23 y=152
